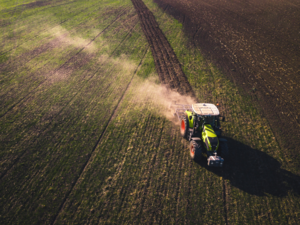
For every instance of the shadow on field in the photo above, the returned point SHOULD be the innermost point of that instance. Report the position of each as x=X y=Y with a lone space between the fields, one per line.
x=255 y=172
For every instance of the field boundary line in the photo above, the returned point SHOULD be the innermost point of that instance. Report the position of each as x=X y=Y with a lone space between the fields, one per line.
x=99 y=140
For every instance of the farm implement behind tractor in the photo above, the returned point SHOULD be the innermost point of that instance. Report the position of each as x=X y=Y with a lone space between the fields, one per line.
x=200 y=125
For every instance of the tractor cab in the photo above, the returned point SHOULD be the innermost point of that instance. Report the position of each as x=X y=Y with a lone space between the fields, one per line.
x=209 y=113
x=200 y=124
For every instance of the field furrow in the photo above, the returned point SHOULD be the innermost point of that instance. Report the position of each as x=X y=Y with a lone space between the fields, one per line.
x=166 y=62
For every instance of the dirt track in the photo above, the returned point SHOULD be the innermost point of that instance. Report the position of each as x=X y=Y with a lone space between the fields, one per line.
x=257 y=44
x=166 y=62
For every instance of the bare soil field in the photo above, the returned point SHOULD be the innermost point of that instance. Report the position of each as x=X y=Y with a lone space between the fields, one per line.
x=257 y=44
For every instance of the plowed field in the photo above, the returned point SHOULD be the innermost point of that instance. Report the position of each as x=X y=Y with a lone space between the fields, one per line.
x=257 y=44
x=166 y=62
x=87 y=137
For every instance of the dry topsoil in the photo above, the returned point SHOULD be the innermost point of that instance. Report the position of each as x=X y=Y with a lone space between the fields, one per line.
x=257 y=44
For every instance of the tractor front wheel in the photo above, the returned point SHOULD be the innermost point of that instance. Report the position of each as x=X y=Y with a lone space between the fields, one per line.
x=195 y=150
x=184 y=127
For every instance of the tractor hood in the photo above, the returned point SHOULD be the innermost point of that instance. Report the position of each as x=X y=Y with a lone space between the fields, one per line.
x=210 y=138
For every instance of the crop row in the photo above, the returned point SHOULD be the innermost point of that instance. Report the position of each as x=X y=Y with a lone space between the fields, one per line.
x=259 y=181
x=50 y=136
x=33 y=68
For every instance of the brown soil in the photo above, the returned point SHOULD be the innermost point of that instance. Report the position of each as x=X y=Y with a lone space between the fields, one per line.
x=166 y=62
x=37 y=4
x=257 y=44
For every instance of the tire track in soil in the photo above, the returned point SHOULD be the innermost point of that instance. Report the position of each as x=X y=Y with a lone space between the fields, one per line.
x=99 y=140
x=166 y=62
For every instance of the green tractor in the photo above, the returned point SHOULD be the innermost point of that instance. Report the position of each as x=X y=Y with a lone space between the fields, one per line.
x=200 y=125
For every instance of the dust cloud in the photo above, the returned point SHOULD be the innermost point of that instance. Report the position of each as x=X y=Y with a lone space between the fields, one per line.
x=160 y=98
x=147 y=94
x=121 y=63
x=66 y=38
x=63 y=39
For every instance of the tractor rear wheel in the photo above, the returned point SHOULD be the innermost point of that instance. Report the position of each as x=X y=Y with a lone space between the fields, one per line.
x=184 y=127
x=224 y=149
x=195 y=150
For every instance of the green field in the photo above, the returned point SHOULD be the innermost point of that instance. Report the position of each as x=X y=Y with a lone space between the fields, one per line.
x=84 y=138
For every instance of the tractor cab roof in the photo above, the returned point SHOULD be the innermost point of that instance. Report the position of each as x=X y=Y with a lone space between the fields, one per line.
x=206 y=109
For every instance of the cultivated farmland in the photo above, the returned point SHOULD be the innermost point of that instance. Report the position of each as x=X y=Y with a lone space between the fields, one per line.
x=86 y=136
x=257 y=44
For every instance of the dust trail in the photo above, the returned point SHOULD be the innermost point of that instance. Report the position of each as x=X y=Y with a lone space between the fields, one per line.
x=67 y=38
x=121 y=63
x=153 y=95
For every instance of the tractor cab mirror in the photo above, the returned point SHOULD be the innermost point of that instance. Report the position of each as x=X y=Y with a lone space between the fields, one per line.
x=190 y=117
x=223 y=119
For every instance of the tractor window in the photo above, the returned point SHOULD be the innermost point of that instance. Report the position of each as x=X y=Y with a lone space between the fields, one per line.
x=210 y=120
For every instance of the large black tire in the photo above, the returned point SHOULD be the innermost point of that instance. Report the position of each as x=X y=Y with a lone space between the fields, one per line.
x=195 y=151
x=184 y=127
x=224 y=149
